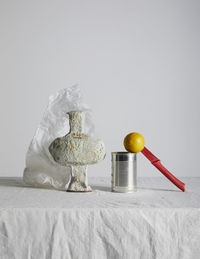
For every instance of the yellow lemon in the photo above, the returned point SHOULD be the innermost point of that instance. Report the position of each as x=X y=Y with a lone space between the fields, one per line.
x=134 y=142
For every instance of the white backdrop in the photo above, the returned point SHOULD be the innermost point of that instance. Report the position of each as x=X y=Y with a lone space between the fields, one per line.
x=137 y=63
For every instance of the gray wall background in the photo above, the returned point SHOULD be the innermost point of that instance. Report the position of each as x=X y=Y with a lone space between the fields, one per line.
x=137 y=63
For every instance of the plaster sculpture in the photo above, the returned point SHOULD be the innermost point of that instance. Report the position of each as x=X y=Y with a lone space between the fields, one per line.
x=77 y=150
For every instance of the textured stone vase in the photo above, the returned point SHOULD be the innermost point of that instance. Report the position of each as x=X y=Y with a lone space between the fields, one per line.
x=77 y=150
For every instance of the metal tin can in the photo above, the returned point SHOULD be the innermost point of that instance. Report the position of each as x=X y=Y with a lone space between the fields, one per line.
x=124 y=172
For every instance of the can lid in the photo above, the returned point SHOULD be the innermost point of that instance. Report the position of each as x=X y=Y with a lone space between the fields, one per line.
x=123 y=156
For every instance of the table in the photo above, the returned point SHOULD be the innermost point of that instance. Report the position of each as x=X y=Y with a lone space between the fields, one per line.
x=157 y=221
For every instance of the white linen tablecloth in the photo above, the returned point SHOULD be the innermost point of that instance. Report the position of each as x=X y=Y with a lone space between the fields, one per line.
x=157 y=221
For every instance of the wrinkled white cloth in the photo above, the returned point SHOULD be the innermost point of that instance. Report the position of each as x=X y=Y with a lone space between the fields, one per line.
x=156 y=222
x=41 y=170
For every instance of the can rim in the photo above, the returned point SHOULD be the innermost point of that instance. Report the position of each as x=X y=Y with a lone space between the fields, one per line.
x=123 y=156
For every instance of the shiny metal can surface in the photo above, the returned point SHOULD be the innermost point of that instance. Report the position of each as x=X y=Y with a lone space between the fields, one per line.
x=124 y=172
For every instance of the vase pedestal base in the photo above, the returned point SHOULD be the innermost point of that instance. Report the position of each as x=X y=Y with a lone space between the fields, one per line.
x=79 y=191
x=79 y=181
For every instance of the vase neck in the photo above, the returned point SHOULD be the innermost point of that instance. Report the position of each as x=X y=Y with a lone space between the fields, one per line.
x=76 y=121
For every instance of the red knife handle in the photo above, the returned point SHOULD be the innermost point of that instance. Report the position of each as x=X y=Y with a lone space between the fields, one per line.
x=156 y=162
x=170 y=176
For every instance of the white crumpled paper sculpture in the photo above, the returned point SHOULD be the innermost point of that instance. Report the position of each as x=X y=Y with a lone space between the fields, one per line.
x=41 y=170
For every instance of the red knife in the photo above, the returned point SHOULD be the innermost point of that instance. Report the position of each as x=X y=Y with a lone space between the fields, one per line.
x=156 y=162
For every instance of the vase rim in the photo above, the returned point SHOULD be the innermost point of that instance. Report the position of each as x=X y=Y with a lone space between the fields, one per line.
x=83 y=110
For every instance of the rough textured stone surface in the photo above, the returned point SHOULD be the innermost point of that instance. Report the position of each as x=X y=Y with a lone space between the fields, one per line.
x=78 y=150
